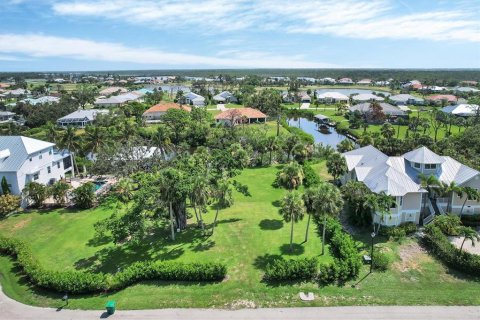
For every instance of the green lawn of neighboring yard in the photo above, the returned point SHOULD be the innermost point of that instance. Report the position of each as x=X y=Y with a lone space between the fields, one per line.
x=403 y=129
x=249 y=234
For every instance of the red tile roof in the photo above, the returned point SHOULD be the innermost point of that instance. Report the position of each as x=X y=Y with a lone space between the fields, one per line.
x=164 y=106
x=240 y=112
x=438 y=97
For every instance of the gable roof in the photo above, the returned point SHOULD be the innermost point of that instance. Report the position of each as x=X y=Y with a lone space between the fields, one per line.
x=164 y=106
x=366 y=97
x=89 y=114
x=462 y=109
x=423 y=155
x=223 y=96
x=386 y=108
x=404 y=97
x=19 y=148
x=240 y=112
x=332 y=95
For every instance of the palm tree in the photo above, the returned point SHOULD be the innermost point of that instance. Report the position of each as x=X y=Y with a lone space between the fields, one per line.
x=199 y=196
x=336 y=166
x=95 y=138
x=470 y=194
x=71 y=142
x=291 y=176
x=52 y=133
x=323 y=200
x=428 y=183
x=380 y=204
x=272 y=145
x=292 y=210
x=222 y=190
x=447 y=190
x=468 y=234
x=387 y=131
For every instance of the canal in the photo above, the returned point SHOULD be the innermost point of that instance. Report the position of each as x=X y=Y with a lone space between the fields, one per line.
x=331 y=137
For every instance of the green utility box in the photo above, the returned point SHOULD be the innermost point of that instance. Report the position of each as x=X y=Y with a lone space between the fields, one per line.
x=111 y=306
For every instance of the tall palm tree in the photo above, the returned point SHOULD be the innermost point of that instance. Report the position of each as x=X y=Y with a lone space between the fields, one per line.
x=429 y=183
x=380 y=204
x=336 y=166
x=52 y=133
x=292 y=210
x=448 y=190
x=272 y=145
x=387 y=131
x=291 y=176
x=468 y=234
x=71 y=142
x=470 y=194
x=322 y=201
x=199 y=196
x=95 y=138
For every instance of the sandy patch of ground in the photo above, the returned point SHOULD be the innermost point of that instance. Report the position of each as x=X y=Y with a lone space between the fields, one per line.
x=457 y=242
x=21 y=224
x=411 y=255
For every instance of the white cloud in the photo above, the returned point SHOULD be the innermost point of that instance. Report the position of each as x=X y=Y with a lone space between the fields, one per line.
x=362 y=19
x=10 y=58
x=41 y=46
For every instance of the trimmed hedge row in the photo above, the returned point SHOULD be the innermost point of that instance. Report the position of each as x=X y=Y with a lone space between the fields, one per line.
x=89 y=282
x=345 y=266
x=284 y=270
x=346 y=258
x=441 y=247
x=399 y=231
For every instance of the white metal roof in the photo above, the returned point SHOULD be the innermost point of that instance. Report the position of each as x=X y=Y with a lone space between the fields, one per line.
x=423 y=155
x=367 y=97
x=19 y=148
x=332 y=95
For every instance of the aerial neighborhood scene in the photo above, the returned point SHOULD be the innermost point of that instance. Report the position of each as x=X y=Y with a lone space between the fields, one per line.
x=198 y=160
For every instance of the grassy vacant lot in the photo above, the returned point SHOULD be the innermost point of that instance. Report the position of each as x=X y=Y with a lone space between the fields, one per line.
x=328 y=111
x=249 y=234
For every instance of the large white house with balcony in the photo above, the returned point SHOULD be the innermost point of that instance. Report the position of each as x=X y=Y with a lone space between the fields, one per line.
x=399 y=178
x=23 y=160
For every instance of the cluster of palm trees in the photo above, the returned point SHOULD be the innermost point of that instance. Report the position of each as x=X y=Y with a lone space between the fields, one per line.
x=435 y=187
x=319 y=201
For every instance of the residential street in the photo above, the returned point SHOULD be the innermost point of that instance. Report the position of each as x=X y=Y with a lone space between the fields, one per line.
x=12 y=310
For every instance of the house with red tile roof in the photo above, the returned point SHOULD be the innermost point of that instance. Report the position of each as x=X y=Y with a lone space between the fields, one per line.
x=239 y=116
x=448 y=98
x=155 y=113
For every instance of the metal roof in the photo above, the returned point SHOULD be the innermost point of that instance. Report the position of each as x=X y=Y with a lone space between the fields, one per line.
x=462 y=109
x=89 y=114
x=20 y=148
x=366 y=97
x=423 y=155
x=386 y=108
x=332 y=95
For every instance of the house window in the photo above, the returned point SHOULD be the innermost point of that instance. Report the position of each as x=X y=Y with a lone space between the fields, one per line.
x=416 y=165
x=400 y=201
x=58 y=165
x=30 y=159
x=429 y=166
x=36 y=176
x=49 y=170
x=40 y=156
x=50 y=152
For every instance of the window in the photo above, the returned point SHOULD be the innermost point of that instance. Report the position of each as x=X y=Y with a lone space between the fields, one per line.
x=58 y=165
x=30 y=159
x=416 y=165
x=49 y=170
x=40 y=156
x=50 y=152
x=429 y=166
x=400 y=201
x=36 y=176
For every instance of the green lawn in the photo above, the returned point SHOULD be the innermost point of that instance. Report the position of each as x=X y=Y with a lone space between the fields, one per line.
x=249 y=234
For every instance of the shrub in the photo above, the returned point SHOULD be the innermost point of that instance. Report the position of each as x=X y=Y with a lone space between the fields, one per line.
x=311 y=178
x=9 y=203
x=441 y=247
x=285 y=270
x=84 y=196
x=400 y=231
x=36 y=193
x=381 y=261
x=448 y=224
x=59 y=191
x=89 y=282
x=471 y=220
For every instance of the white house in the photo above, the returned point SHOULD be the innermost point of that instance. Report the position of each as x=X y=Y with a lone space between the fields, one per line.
x=406 y=99
x=462 y=110
x=332 y=97
x=23 y=160
x=193 y=99
x=366 y=97
x=121 y=99
x=225 y=97
x=6 y=116
x=399 y=178
x=80 y=118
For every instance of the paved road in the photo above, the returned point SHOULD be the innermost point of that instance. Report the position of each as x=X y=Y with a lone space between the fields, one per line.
x=13 y=310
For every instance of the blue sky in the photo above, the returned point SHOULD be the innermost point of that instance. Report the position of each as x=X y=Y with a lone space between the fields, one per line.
x=41 y=35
